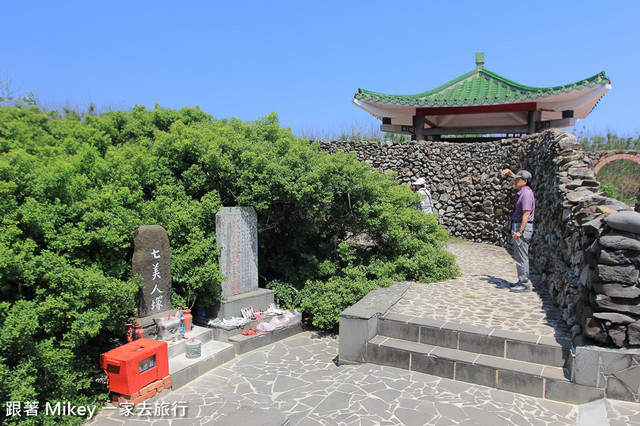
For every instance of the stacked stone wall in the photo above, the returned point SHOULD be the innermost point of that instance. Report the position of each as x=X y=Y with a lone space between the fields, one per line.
x=593 y=157
x=471 y=199
x=572 y=246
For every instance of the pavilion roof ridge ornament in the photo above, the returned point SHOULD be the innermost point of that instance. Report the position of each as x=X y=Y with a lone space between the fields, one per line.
x=480 y=60
x=483 y=92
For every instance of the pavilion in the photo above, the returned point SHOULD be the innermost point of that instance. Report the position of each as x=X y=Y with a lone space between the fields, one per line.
x=482 y=102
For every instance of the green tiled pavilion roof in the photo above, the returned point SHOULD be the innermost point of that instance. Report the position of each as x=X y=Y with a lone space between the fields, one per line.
x=478 y=87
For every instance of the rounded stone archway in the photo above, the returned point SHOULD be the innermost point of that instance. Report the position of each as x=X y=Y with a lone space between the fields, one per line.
x=608 y=159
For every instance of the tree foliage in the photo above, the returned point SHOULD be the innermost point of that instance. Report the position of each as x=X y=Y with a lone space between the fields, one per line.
x=73 y=189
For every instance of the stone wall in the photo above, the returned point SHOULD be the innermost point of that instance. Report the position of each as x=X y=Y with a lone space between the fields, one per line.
x=474 y=203
x=593 y=157
x=594 y=285
x=471 y=199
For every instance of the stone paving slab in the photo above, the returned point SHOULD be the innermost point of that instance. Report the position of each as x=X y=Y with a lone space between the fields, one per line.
x=481 y=296
x=298 y=379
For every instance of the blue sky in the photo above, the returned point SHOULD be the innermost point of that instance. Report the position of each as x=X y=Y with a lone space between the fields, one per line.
x=305 y=60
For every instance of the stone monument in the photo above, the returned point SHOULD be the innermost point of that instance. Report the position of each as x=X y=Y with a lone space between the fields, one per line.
x=237 y=235
x=152 y=261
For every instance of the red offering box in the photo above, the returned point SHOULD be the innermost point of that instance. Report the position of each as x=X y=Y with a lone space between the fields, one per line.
x=132 y=366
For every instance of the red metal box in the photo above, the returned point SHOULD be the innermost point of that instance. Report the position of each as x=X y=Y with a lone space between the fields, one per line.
x=132 y=366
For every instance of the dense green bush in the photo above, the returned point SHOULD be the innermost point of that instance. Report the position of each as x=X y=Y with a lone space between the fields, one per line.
x=73 y=190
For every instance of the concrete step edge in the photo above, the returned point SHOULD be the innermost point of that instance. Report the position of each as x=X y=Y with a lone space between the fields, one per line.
x=489 y=341
x=201 y=333
x=244 y=344
x=213 y=354
x=479 y=330
x=472 y=358
x=519 y=377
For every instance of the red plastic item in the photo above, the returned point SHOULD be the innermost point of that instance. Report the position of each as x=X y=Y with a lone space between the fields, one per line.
x=132 y=366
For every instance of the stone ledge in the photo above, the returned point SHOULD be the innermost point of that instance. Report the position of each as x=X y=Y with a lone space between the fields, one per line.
x=473 y=329
x=498 y=363
x=243 y=344
x=183 y=369
x=230 y=307
x=484 y=340
x=359 y=323
x=377 y=302
x=571 y=393
x=511 y=375
x=602 y=368
x=177 y=348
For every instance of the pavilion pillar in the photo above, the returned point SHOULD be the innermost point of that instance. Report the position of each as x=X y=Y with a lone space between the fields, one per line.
x=418 y=128
x=533 y=118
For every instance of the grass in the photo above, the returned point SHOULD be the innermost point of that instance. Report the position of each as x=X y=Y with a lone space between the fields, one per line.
x=351 y=131
x=619 y=179
x=607 y=141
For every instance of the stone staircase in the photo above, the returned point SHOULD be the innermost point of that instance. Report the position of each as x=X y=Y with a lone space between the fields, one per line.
x=533 y=365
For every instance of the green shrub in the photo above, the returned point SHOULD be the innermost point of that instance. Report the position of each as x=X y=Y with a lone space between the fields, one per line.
x=609 y=189
x=74 y=189
x=324 y=300
x=287 y=295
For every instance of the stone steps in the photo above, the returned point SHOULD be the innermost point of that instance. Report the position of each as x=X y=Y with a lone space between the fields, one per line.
x=201 y=333
x=484 y=340
x=515 y=362
x=213 y=354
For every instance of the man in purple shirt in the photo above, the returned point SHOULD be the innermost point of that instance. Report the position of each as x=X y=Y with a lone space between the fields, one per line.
x=522 y=226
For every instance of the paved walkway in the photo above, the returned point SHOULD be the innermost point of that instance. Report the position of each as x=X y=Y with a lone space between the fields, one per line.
x=298 y=378
x=481 y=295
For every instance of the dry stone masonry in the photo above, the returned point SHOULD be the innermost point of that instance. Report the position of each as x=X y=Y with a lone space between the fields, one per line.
x=471 y=199
x=589 y=265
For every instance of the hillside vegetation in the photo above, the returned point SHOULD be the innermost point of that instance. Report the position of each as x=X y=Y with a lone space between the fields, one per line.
x=73 y=189
x=619 y=179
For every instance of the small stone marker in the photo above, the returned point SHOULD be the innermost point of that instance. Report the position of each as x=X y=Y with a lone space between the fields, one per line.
x=237 y=234
x=151 y=259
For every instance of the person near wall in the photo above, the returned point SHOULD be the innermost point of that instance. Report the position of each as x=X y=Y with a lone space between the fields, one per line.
x=522 y=226
x=426 y=203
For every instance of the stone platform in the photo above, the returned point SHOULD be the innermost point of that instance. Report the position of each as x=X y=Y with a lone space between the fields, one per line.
x=481 y=296
x=297 y=381
x=474 y=329
x=302 y=381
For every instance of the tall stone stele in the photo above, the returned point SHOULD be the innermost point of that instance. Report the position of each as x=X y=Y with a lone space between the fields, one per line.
x=237 y=235
x=152 y=261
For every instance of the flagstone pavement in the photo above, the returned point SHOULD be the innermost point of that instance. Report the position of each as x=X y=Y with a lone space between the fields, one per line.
x=299 y=380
